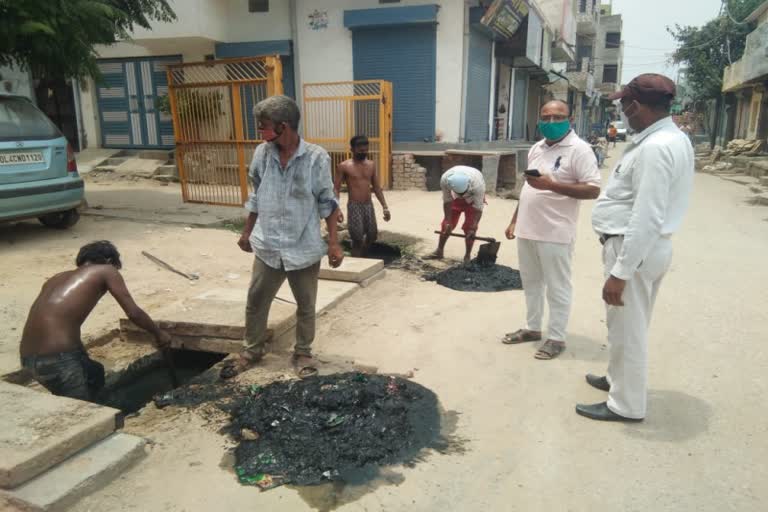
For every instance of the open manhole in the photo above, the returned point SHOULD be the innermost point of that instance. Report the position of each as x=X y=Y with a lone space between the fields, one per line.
x=378 y=250
x=132 y=388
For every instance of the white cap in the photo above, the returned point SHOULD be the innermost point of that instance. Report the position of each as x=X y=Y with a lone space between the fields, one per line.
x=458 y=181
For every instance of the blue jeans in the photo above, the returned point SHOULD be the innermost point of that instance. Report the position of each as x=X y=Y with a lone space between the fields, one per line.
x=72 y=374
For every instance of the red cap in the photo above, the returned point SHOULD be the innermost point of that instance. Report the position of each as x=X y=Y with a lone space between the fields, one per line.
x=648 y=88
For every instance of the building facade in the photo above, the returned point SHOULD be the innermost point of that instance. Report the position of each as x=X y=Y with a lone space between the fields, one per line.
x=745 y=83
x=457 y=77
x=609 y=56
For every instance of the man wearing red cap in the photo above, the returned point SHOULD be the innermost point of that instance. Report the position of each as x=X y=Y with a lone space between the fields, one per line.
x=635 y=216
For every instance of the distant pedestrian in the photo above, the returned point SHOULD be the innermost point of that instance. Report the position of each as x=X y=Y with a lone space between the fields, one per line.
x=612 y=133
x=361 y=177
x=292 y=191
x=463 y=192
x=635 y=217
x=545 y=226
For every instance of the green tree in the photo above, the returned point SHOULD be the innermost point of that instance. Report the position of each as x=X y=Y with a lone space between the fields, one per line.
x=56 y=38
x=705 y=51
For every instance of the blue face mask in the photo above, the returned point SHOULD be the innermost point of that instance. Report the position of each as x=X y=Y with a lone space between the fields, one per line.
x=555 y=130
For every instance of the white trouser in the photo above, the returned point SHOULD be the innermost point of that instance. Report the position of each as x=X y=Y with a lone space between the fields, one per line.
x=628 y=327
x=546 y=265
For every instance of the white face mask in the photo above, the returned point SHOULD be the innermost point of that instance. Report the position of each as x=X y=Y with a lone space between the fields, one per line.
x=625 y=120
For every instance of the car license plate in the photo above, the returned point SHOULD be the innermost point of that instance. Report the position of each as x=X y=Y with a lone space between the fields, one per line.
x=28 y=157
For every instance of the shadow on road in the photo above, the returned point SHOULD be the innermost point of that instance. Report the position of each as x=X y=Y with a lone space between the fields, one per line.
x=672 y=417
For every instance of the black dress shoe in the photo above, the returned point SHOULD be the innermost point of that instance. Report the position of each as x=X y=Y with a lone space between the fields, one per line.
x=601 y=412
x=600 y=383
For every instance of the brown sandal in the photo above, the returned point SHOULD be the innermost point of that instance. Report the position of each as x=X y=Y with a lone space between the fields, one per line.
x=304 y=371
x=520 y=336
x=241 y=363
x=550 y=350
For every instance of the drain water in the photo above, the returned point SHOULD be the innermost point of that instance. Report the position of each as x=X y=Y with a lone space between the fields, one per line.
x=134 y=387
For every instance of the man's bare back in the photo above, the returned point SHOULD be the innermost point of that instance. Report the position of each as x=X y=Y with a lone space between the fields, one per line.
x=65 y=301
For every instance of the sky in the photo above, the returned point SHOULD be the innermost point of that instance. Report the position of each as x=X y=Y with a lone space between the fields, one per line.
x=647 y=44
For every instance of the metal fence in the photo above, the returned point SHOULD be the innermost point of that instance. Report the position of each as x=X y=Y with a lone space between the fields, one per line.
x=214 y=127
x=334 y=112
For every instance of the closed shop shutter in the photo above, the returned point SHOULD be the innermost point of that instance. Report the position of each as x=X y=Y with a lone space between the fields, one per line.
x=478 y=86
x=404 y=55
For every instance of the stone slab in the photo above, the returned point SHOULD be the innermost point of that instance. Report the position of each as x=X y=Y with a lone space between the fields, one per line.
x=79 y=475
x=215 y=317
x=330 y=293
x=375 y=277
x=140 y=166
x=214 y=321
x=351 y=269
x=39 y=430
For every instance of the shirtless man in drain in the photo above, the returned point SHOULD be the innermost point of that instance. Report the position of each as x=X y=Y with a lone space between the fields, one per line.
x=359 y=172
x=51 y=349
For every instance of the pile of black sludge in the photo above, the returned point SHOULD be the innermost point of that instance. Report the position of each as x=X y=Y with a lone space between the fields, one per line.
x=475 y=277
x=331 y=428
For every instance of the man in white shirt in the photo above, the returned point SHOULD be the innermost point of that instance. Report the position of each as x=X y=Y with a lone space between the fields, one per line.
x=545 y=225
x=463 y=192
x=635 y=217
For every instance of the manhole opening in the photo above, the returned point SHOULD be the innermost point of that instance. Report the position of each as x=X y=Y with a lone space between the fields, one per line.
x=390 y=253
x=131 y=389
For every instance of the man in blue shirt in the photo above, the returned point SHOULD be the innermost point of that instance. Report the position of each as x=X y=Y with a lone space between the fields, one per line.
x=292 y=191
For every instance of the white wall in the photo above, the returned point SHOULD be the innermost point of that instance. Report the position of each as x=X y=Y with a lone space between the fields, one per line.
x=203 y=18
x=257 y=26
x=90 y=113
x=326 y=55
x=190 y=48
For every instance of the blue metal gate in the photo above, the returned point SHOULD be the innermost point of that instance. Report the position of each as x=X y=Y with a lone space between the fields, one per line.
x=404 y=55
x=478 y=87
x=127 y=100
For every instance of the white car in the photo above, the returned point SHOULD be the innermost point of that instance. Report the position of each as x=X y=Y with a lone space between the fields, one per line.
x=621 y=131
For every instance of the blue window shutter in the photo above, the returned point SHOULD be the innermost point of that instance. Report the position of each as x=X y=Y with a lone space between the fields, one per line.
x=404 y=55
x=478 y=87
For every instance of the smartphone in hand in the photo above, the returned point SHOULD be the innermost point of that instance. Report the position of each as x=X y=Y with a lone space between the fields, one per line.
x=533 y=173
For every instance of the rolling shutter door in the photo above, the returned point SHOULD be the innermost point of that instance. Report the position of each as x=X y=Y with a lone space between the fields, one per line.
x=478 y=87
x=405 y=56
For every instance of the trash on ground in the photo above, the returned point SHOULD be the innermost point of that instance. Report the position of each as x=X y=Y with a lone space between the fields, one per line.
x=477 y=278
x=331 y=428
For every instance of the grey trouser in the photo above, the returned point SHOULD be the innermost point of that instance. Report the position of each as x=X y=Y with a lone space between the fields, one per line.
x=71 y=374
x=265 y=283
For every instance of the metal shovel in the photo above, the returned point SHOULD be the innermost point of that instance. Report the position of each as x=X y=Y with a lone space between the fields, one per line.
x=486 y=254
